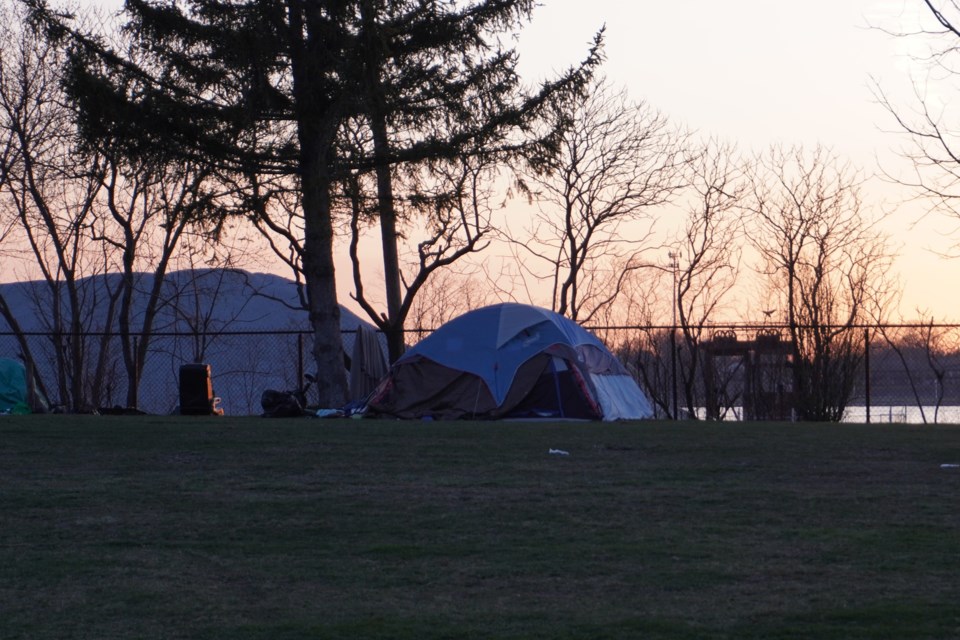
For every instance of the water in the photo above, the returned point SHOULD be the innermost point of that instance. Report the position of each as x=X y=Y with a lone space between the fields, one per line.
x=903 y=414
x=881 y=414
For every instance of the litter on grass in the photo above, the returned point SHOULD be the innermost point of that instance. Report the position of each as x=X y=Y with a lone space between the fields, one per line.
x=559 y=452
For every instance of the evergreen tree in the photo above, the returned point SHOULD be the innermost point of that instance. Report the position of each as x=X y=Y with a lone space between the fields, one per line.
x=437 y=85
x=267 y=87
x=254 y=87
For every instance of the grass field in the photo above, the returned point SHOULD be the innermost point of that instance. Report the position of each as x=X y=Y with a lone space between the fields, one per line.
x=242 y=528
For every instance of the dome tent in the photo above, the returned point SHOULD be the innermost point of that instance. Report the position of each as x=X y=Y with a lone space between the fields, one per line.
x=510 y=360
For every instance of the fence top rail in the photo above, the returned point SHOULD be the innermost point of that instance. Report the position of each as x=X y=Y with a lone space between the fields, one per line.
x=174 y=334
x=742 y=326
x=751 y=326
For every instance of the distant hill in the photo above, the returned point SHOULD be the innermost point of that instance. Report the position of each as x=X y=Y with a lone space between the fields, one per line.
x=248 y=326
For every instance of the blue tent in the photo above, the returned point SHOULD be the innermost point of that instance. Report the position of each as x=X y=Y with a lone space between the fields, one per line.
x=510 y=360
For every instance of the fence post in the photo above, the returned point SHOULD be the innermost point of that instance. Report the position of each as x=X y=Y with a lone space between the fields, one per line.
x=866 y=371
x=136 y=373
x=673 y=370
x=299 y=360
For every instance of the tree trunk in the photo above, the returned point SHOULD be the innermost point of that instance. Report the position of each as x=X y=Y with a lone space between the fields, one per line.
x=25 y=353
x=385 y=202
x=318 y=271
x=388 y=237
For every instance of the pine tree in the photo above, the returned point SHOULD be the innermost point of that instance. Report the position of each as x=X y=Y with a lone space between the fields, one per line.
x=255 y=87
x=437 y=85
x=268 y=87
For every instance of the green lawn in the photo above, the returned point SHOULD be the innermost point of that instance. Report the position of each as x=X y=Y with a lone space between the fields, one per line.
x=242 y=528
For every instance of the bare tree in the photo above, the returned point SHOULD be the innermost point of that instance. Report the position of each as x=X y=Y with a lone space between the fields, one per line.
x=50 y=192
x=826 y=265
x=933 y=147
x=84 y=211
x=442 y=212
x=208 y=274
x=618 y=159
x=926 y=352
x=149 y=209
x=446 y=296
x=447 y=217
x=707 y=258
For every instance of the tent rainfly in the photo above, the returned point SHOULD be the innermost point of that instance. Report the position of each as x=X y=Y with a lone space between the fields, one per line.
x=510 y=361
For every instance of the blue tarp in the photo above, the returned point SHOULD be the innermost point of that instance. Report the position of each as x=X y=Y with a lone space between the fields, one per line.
x=13 y=385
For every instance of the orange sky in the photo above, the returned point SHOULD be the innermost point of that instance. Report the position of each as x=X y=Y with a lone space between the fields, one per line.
x=759 y=72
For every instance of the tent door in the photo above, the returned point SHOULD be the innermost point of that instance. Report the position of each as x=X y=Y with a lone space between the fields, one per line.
x=557 y=393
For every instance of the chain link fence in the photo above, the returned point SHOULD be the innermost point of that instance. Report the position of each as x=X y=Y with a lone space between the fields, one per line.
x=903 y=373
x=897 y=372
x=243 y=365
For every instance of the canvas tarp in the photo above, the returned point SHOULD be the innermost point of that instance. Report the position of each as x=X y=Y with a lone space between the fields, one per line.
x=13 y=387
x=367 y=364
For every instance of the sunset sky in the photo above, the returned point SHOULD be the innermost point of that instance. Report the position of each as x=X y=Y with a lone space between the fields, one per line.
x=757 y=72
